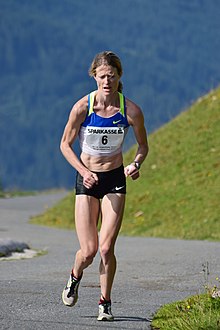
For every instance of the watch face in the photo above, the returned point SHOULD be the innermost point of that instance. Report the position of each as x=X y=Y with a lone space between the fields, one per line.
x=137 y=165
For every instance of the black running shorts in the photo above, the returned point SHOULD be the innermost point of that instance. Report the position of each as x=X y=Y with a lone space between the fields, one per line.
x=110 y=182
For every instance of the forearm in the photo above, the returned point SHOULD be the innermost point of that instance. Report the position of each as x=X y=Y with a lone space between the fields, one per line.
x=72 y=158
x=141 y=153
x=133 y=168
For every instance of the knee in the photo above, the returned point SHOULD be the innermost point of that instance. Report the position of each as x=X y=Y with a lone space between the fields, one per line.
x=106 y=252
x=88 y=255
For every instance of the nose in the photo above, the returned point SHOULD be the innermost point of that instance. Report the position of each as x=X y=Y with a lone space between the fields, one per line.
x=106 y=80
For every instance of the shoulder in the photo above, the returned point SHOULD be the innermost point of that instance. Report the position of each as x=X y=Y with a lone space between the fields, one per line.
x=134 y=112
x=79 y=109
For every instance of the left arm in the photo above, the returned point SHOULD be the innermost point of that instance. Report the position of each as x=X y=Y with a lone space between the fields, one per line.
x=136 y=120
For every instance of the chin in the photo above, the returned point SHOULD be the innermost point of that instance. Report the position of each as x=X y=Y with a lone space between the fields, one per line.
x=107 y=91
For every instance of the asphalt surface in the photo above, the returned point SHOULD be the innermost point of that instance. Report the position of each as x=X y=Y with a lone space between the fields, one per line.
x=151 y=272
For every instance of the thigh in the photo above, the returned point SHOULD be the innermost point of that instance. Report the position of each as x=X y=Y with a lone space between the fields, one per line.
x=87 y=210
x=112 y=212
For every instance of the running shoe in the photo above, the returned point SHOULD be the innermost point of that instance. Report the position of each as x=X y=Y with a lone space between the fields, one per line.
x=105 y=313
x=70 y=292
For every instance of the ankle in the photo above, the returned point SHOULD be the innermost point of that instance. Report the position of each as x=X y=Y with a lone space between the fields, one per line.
x=103 y=300
x=77 y=278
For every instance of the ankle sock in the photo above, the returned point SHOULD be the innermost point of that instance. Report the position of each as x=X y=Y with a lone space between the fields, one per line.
x=104 y=301
x=74 y=277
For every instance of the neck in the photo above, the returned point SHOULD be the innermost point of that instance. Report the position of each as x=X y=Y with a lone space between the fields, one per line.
x=107 y=100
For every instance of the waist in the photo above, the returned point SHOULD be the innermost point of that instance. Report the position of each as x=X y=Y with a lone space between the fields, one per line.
x=101 y=163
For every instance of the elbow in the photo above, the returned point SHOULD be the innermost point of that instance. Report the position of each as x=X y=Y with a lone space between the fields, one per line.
x=65 y=148
x=62 y=147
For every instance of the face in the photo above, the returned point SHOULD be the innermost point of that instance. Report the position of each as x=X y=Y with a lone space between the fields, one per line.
x=107 y=79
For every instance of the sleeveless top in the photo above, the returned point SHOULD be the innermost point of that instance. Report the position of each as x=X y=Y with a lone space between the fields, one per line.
x=99 y=136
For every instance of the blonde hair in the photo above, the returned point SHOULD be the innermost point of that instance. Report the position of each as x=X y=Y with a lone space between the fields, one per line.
x=107 y=58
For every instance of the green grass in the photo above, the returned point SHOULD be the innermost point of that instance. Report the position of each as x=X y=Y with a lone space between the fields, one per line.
x=177 y=195
x=60 y=215
x=195 y=313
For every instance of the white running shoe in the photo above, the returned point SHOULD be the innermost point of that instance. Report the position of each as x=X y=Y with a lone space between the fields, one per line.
x=105 y=313
x=70 y=292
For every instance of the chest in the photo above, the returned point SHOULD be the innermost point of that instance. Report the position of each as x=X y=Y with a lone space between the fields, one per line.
x=107 y=112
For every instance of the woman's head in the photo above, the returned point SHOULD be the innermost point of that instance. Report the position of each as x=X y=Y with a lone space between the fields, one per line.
x=107 y=58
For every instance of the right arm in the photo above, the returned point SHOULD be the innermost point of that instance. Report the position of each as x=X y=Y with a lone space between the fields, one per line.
x=136 y=120
x=77 y=116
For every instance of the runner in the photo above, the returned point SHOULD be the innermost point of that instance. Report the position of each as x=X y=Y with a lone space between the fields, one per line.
x=101 y=120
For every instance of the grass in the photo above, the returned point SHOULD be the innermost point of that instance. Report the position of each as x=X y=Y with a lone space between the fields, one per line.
x=60 y=215
x=199 y=312
x=195 y=313
x=178 y=193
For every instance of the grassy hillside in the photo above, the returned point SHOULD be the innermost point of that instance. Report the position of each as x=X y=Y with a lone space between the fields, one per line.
x=178 y=193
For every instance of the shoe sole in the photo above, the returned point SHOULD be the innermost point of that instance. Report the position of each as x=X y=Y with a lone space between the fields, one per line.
x=105 y=318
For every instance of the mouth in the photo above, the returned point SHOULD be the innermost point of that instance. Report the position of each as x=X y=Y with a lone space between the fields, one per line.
x=106 y=89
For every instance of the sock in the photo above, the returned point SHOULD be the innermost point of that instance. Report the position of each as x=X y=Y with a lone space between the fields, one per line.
x=74 y=277
x=104 y=301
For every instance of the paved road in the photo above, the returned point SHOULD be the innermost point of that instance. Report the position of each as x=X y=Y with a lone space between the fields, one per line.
x=151 y=272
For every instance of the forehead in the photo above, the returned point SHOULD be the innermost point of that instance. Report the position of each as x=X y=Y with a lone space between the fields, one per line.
x=106 y=69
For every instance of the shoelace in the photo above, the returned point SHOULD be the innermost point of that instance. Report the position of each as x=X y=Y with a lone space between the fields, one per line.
x=72 y=288
x=107 y=307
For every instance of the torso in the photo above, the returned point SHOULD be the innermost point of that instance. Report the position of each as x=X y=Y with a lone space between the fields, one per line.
x=101 y=164
x=101 y=137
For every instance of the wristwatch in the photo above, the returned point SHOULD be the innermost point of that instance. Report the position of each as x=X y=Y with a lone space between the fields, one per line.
x=137 y=165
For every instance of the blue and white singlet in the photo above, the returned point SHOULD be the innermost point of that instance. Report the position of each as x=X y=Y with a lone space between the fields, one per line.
x=99 y=136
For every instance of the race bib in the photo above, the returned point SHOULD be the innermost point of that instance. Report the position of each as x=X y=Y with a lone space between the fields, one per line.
x=104 y=139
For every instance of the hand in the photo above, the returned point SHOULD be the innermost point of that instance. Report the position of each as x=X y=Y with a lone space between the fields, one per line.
x=90 y=179
x=132 y=171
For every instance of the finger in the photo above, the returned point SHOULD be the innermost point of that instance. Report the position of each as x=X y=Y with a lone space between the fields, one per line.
x=135 y=175
x=126 y=172
x=95 y=177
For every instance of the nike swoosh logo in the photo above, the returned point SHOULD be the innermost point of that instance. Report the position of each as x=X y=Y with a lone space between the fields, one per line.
x=119 y=188
x=116 y=121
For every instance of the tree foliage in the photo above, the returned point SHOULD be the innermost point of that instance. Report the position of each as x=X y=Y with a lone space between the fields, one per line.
x=169 y=50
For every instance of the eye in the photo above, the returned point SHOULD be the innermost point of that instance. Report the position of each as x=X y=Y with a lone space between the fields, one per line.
x=111 y=77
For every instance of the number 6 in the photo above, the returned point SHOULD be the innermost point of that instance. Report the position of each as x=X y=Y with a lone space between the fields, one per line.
x=104 y=139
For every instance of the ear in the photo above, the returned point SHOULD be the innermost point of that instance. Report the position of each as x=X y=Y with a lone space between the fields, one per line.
x=95 y=79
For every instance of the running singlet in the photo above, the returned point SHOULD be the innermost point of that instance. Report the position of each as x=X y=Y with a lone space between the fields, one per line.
x=99 y=136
